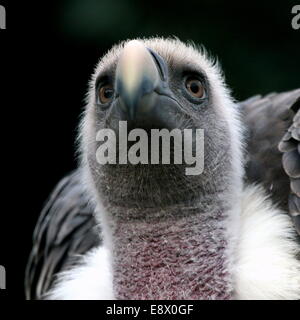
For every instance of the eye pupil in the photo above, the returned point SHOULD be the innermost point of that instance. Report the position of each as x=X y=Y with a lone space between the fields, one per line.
x=194 y=87
x=108 y=93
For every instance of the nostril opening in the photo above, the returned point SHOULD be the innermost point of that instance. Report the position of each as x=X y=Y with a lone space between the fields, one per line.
x=160 y=63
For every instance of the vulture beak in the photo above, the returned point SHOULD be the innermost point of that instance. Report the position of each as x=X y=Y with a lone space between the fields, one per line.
x=140 y=78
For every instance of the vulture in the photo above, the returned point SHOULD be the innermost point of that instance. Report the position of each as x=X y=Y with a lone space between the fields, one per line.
x=150 y=231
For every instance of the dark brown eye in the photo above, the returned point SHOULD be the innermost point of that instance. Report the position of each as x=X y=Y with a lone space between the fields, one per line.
x=106 y=93
x=195 y=88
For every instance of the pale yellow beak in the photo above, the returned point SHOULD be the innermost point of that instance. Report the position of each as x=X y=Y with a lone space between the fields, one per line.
x=136 y=76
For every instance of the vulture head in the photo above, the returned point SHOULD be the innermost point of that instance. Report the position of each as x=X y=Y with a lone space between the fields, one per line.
x=157 y=220
x=161 y=84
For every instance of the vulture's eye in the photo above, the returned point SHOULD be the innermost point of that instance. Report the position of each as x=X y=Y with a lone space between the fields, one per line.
x=106 y=93
x=195 y=88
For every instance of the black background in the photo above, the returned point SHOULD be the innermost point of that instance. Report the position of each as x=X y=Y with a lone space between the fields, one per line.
x=48 y=52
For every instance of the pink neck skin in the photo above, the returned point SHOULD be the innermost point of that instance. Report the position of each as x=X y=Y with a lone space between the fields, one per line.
x=171 y=257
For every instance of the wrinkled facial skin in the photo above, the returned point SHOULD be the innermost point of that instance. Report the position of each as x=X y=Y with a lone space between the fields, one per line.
x=162 y=185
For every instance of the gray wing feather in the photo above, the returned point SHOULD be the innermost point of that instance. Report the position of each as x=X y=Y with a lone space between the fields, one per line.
x=290 y=147
x=273 y=144
x=65 y=229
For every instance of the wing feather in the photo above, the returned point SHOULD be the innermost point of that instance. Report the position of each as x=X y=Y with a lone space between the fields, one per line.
x=66 y=228
x=273 y=144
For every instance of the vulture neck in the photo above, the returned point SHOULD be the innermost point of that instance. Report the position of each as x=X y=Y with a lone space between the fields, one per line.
x=178 y=252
